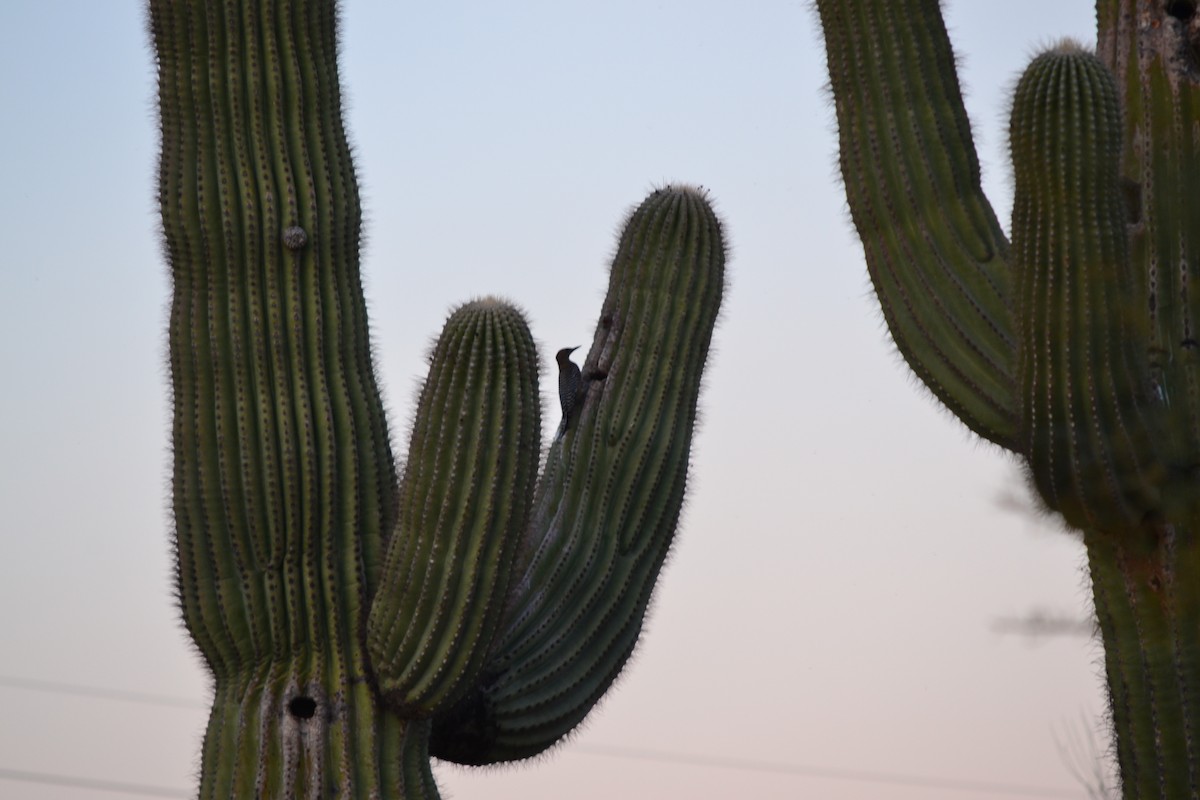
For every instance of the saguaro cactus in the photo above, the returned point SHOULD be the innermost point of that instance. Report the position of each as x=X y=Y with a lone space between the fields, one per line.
x=1075 y=346
x=345 y=614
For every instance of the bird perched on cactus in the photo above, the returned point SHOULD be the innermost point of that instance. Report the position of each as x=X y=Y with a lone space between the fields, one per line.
x=570 y=381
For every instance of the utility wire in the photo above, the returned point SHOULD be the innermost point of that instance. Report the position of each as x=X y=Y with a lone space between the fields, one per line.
x=54 y=687
x=608 y=751
x=49 y=779
x=1038 y=630
x=892 y=778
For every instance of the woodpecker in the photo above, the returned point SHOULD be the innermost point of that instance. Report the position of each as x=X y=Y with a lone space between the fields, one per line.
x=569 y=381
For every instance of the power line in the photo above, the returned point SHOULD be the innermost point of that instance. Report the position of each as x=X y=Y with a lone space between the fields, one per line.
x=54 y=687
x=49 y=779
x=892 y=778
x=1040 y=623
x=608 y=751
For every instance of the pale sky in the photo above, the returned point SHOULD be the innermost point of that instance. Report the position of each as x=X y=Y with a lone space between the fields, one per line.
x=827 y=611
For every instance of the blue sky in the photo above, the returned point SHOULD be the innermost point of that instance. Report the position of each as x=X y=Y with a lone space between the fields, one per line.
x=844 y=550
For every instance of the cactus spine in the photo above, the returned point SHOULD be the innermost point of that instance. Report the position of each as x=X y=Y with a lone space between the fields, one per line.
x=343 y=614
x=1075 y=346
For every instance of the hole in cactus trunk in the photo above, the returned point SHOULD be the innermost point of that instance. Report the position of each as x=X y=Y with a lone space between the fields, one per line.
x=1185 y=12
x=1182 y=9
x=302 y=707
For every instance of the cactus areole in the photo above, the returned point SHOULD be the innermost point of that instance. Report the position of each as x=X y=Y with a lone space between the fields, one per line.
x=348 y=610
x=1075 y=345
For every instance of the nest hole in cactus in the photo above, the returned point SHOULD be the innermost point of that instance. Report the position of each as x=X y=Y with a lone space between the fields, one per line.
x=302 y=707
x=1182 y=9
x=1185 y=12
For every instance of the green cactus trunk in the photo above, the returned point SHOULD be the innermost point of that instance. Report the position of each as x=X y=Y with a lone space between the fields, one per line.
x=346 y=616
x=1075 y=347
x=284 y=480
x=1147 y=594
x=289 y=731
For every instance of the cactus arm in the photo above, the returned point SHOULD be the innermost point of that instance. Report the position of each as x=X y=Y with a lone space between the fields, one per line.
x=283 y=487
x=1087 y=418
x=934 y=249
x=609 y=498
x=464 y=504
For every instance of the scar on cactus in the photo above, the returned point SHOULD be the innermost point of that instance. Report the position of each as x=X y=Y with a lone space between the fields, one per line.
x=294 y=237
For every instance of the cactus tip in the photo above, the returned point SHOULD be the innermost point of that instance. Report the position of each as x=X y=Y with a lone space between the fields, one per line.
x=486 y=302
x=1067 y=46
x=694 y=189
